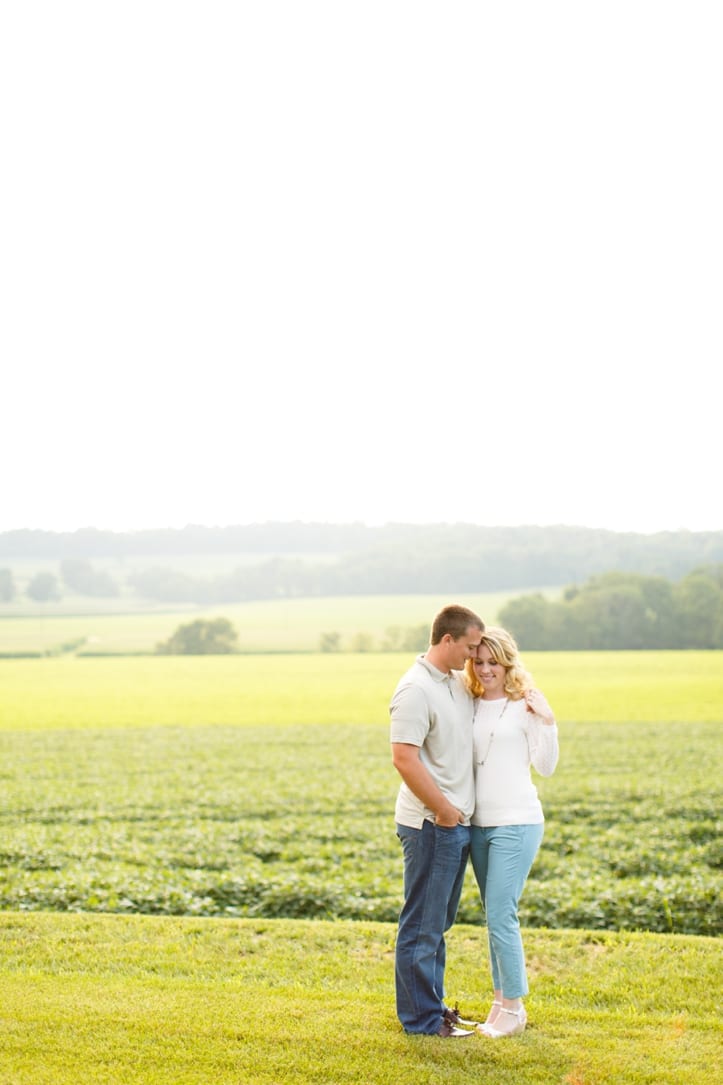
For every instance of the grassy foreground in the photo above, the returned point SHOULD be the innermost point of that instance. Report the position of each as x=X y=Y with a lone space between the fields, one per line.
x=180 y=1001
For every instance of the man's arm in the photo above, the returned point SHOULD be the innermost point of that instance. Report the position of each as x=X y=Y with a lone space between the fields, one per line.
x=413 y=771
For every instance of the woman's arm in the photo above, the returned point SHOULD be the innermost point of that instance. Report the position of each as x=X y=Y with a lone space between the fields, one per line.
x=542 y=733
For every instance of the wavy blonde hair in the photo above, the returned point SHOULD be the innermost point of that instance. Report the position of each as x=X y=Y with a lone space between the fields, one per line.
x=503 y=649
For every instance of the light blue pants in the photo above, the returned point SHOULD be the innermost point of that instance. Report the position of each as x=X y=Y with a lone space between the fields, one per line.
x=501 y=860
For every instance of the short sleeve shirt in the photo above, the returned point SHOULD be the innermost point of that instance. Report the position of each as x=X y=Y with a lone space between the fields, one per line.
x=433 y=710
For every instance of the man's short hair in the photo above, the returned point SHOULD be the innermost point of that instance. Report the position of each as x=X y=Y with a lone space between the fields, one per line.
x=454 y=620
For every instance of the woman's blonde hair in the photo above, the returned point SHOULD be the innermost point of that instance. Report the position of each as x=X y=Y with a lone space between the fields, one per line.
x=503 y=649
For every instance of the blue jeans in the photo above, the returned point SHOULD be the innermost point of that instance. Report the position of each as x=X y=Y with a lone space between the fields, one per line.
x=435 y=860
x=501 y=860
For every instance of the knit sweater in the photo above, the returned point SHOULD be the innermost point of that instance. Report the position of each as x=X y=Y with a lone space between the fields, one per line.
x=507 y=741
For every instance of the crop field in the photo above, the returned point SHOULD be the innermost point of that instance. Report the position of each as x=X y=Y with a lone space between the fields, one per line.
x=262 y=787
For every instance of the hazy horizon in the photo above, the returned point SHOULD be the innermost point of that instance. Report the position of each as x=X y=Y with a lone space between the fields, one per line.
x=340 y=523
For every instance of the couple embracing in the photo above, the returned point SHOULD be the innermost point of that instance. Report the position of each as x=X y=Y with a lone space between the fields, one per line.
x=466 y=725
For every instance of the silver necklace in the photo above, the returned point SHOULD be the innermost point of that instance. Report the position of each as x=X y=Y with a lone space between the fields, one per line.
x=492 y=732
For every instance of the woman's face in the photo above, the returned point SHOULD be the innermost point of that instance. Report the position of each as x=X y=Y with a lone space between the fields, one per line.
x=490 y=674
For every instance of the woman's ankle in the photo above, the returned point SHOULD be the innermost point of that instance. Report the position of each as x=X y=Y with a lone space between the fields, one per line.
x=494 y=1011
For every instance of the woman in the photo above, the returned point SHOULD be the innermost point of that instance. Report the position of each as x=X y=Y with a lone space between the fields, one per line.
x=514 y=727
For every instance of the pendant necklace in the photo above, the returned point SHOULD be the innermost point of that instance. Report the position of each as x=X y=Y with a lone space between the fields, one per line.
x=492 y=732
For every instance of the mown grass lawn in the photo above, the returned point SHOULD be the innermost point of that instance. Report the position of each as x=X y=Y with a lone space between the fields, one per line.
x=179 y=1001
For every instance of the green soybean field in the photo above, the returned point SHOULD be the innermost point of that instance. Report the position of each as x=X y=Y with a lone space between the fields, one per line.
x=262 y=787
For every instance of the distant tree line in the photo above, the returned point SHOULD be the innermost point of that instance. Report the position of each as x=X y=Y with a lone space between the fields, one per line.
x=296 y=560
x=614 y=611
x=269 y=538
x=7 y=586
x=76 y=575
x=623 y=610
x=413 y=638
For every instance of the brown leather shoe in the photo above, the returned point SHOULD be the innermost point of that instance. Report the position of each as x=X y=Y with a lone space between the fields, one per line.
x=454 y=1017
x=451 y=1032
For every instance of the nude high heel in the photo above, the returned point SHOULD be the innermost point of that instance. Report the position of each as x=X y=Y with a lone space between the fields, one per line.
x=491 y=1016
x=515 y=1030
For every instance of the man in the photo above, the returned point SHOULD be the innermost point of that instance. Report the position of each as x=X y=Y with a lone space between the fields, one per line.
x=431 y=735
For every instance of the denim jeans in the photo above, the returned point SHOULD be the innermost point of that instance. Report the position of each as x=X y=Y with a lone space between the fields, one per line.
x=501 y=860
x=435 y=860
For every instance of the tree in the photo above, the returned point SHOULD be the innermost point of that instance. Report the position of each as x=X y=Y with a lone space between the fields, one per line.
x=612 y=617
x=202 y=637
x=80 y=576
x=700 y=603
x=7 y=586
x=43 y=588
x=526 y=617
x=392 y=639
x=416 y=638
x=169 y=586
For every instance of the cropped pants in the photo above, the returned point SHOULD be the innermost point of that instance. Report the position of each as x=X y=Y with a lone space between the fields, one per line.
x=501 y=859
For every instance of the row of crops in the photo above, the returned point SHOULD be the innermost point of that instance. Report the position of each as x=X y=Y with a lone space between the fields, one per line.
x=298 y=822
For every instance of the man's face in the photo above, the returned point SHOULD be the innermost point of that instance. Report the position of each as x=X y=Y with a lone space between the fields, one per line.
x=464 y=648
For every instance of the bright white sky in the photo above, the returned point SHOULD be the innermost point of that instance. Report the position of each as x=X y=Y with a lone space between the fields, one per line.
x=387 y=260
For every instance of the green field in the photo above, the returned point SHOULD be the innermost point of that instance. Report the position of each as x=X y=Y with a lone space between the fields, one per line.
x=276 y=625
x=263 y=785
x=224 y=828
x=147 y=1000
x=70 y=692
